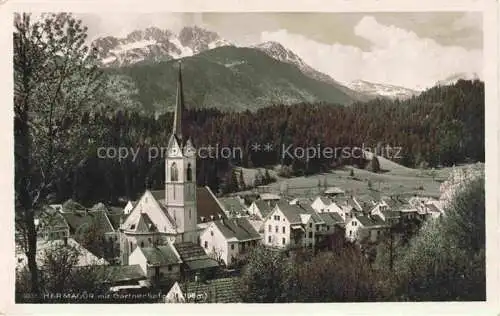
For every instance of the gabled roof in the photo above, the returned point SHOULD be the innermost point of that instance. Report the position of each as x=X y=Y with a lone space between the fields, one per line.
x=263 y=207
x=307 y=209
x=160 y=255
x=224 y=290
x=207 y=205
x=331 y=218
x=116 y=274
x=325 y=200
x=434 y=208
x=233 y=205
x=81 y=220
x=291 y=212
x=190 y=251
x=370 y=221
x=391 y=214
x=145 y=224
x=239 y=229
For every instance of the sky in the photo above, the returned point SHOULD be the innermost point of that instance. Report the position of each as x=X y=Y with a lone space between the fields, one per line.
x=414 y=50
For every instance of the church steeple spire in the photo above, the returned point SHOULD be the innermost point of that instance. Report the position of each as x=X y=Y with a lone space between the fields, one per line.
x=179 y=106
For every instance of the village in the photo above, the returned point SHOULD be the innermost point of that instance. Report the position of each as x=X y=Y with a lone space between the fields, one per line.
x=191 y=245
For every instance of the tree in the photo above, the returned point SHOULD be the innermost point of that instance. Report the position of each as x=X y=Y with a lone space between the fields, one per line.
x=55 y=77
x=242 y=183
x=445 y=260
x=267 y=277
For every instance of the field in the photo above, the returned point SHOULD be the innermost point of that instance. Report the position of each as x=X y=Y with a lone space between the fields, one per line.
x=394 y=180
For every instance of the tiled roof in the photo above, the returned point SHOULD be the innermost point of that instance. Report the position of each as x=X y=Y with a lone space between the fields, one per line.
x=190 y=251
x=239 y=228
x=225 y=290
x=207 y=205
x=370 y=221
x=160 y=255
x=264 y=207
x=391 y=214
x=80 y=220
x=325 y=200
x=331 y=218
x=53 y=220
x=115 y=274
x=291 y=212
x=233 y=205
x=307 y=209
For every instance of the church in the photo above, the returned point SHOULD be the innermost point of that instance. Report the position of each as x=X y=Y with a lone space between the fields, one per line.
x=181 y=210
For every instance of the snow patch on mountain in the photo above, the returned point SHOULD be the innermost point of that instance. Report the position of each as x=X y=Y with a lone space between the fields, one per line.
x=383 y=90
x=450 y=80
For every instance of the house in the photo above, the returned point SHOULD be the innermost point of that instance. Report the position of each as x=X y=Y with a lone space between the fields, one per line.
x=195 y=261
x=233 y=206
x=291 y=226
x=360 y=227
x=409 y=213
x=390 y=217
x=332 y=221
x=98 y=221
x=121 y=275
x=129 y=207
x=260 y=208
x=227 y=240
x=51 y=225
x=158 y=263
x=85 y=257
x=224 y=290
x=321 y=204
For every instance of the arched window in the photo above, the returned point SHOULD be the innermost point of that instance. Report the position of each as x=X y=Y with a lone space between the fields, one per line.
x=174 y=176
x=189 y=173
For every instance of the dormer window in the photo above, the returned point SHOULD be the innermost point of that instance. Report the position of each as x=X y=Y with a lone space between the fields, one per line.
x=189 y=173
x=174 y=176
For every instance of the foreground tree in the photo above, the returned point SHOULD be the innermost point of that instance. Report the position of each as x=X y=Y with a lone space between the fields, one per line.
x=446 y=259
x=55 y=78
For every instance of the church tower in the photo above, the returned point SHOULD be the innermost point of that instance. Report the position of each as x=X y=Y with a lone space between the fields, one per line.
x=180 y=176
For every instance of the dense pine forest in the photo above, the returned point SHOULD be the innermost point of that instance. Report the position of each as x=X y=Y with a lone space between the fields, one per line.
x=441 y=127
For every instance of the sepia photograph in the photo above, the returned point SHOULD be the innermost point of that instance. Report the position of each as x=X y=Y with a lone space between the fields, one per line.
x=249 y=157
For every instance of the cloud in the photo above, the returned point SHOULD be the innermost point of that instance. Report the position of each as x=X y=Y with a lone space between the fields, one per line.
x=396 y=56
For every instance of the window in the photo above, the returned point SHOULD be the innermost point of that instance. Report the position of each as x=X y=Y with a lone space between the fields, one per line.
x=189 y=213
x=189 y=173
x=169 y=267
x=278 y=217
x=283 y=241
x=206 y=244
x=174 y=176
x=310 y=235
x=350 y=233
x=150 y=241
x=270 y=228
x=310 y=225
x=354 y=223
x=211 y=233
x=269 y=239
x=327 y=227
x=232 y=246
x=284 y=229
x=142 y=244
x=277 y=229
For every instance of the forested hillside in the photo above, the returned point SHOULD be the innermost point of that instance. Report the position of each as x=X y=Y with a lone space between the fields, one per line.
x=442 y=126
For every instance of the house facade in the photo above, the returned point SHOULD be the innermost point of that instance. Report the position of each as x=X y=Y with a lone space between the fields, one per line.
x=227 y=240
x=158 y=263
x=361 y=227
x=291 y=226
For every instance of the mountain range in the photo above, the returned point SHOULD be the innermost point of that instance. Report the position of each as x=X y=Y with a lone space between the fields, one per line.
x=220 y=74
